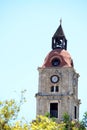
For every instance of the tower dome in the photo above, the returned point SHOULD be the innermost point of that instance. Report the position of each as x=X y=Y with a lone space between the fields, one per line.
x=58 y=58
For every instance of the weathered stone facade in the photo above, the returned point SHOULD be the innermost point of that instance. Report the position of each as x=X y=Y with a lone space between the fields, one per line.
x=66 y=97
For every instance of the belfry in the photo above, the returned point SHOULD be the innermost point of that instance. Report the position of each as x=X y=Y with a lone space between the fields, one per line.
x=58 y=81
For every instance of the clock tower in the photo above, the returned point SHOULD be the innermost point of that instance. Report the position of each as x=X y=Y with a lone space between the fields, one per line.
x=58 y=81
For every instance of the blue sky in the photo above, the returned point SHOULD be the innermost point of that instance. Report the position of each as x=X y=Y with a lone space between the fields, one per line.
x=26 y=29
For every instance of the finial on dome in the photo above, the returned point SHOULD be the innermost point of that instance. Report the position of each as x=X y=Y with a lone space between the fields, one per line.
x=60 y=21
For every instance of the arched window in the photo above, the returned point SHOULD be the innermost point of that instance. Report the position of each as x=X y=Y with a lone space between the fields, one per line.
x=54 y=88
x=57 y=89
x=56 y=62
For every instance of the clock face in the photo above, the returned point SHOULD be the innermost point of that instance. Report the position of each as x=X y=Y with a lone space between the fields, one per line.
x=54 y=78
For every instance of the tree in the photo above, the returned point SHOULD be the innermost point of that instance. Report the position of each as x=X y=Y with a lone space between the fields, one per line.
x=67 y=121
x=84 y=120
x=72 y=124
x=44 y=123
x=9 y=110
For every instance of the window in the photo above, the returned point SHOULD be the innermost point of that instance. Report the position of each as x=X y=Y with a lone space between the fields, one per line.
x=75 y=112
x=52 y=89
x=56 y=62
x=55 y=89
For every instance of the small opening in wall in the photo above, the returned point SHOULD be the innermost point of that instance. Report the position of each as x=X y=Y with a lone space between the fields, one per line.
x=56 y=62
x=75 y=112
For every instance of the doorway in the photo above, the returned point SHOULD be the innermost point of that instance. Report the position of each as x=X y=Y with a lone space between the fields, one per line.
x=54 y=110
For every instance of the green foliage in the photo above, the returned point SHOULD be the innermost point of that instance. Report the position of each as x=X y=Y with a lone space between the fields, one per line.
x=84 y=120
x=72 y=125
x=9 y=110
x=44 y=123
x=8 y=113
x=66 y=118
x=47 y=114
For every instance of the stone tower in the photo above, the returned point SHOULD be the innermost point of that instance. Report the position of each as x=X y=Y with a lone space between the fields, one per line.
x=58 y=81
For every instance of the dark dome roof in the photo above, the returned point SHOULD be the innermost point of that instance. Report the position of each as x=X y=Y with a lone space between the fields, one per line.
x=62 y=55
